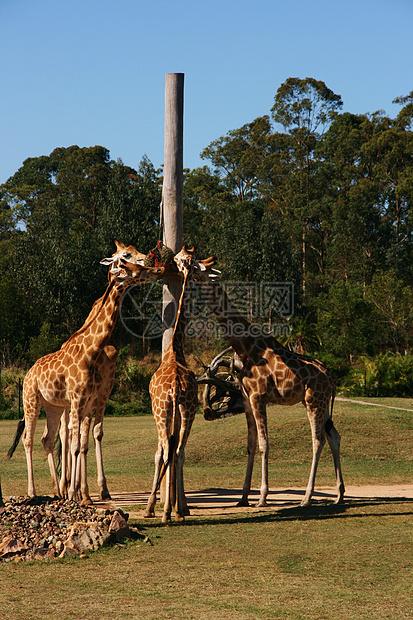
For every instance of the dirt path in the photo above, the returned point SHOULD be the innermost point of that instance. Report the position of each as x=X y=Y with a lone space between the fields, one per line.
x=208 y=502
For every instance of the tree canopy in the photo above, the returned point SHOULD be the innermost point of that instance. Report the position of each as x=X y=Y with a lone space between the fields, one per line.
x=303 y=194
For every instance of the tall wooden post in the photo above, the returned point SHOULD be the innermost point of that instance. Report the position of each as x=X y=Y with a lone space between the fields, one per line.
x=172 y=194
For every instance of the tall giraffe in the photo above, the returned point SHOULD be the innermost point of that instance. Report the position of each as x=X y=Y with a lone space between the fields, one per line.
x=173 y=388
x=174 y=393
x=271 y=374
x=72 y=378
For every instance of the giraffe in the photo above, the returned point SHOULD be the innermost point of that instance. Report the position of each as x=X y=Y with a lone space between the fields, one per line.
x=174 y=394
x=271 y=374
x=106 y=365
x=173 y=387
x=73 y=378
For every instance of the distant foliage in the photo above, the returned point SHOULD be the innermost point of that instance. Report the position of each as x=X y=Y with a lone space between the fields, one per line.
x=9 y=393
x=131 y=392
x=387 y=374
x=304 y=194
x=68 y=210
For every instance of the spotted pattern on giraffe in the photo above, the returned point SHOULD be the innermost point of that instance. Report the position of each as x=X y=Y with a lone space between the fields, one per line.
x=271 y=374
x=174 y=394
x=79 y=376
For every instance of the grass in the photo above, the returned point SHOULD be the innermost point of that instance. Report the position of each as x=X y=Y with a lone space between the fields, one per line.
x=345 y=562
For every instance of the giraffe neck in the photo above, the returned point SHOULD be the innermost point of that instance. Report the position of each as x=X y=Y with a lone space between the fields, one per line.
x=175 y=349
x=237 y=329
x=100 y=323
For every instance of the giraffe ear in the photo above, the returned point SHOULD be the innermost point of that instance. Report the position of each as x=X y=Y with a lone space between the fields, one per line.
x=107 y=261
x=203 y=269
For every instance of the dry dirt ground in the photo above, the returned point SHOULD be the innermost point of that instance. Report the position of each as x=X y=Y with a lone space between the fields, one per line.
x=213 y=502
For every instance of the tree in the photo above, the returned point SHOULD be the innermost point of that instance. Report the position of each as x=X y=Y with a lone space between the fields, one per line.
x=73 y=205
x=357 y=235
x=238 y=155
x=345 y=321
x=393 y=302
x=390 y=152
x=305 y=107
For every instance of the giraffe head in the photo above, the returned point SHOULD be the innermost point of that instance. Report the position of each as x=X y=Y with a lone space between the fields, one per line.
x=127 y=266
x=183 y=262
x=128 y=253
x=200 y=270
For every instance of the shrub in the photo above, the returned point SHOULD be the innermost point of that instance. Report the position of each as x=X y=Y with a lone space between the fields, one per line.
x=387 y=374
x=9 y=393
x=130 y=395
x=44 y=343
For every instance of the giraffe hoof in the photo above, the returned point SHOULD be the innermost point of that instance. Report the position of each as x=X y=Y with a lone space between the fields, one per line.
x=340 y=494
x=149 y=514
x=305 y=503
x=179 y=517
x=262 y=504
x=243 y=503
x=86 y=502
x=104 y=495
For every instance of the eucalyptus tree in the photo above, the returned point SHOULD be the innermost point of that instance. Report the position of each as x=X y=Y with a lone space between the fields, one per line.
x=390 y=152
x=71 y=206
x=305 y=108
x=356 y=232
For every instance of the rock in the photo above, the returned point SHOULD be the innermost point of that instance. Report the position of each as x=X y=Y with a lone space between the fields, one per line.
x=44 y=528
x=40 y=553
x=118 y=525
x=11 y=546
x=84 y=537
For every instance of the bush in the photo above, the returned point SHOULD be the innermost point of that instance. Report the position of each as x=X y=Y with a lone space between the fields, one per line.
x=130 y=395
x=9 y=393
x=44 y=343
x=387 y=374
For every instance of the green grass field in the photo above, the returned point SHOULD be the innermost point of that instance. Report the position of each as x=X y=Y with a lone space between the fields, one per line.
x=344 y=562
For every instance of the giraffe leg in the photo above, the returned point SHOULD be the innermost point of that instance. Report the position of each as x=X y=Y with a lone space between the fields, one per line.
x=65 y=441
x=97 y=436
x=252 y=446
x=259 y=410
x=185 y=507
x=333 y=439
x=319 y=439
x=74 y=448
x=180 y=459
x=150 y=508
x=84 y=447
x=187 y=415
x=110 y=355
x=31 y=400
x=53 y=415
x=167 y=509
x=179 y=474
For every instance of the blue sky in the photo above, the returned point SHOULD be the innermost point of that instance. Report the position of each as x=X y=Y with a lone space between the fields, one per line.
x=92 y=72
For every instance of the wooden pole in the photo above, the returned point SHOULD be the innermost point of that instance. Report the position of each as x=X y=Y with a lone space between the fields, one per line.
x=172 y=194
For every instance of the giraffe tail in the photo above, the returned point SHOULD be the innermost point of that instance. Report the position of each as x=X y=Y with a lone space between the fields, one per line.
x=171 y=441
x=19 y=433
x=172 y=438
x=328 y=425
